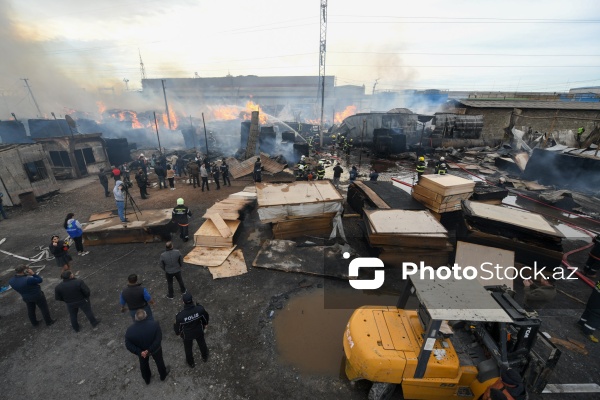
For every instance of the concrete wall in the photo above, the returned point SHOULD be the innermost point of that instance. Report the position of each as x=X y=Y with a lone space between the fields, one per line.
x=496 y=119
x=15 y=178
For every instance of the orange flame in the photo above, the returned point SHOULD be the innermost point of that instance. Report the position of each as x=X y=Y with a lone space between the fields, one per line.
x=101 y=108
x=225 y=113
x=173 y=117
x=341 y=116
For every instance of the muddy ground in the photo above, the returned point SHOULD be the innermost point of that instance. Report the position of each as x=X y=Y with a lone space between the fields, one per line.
x=245 y=363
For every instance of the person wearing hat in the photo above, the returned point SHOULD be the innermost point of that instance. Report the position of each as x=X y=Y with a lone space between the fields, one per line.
x=225 y=173
x=104 y=182
x=441 y=167
x=190 y=324
x=421 y=165
x=76 y=295
x=142 y=181
x=180 y=215
x=144 y=339
x=171 y=262
x=320 y=171
x=257 y=171
x=27 y=284
x=510 y=384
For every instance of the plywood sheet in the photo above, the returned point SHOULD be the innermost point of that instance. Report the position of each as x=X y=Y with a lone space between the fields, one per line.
x=405 y=222
x=147 y=218
x=475 y=255
x=208 y=256
x=302 y=192
x=512 y=216
x=222 y=227
x=447 y=184
x=438 y=198
x=234 y=265
x=379 y=203
x=454 y=205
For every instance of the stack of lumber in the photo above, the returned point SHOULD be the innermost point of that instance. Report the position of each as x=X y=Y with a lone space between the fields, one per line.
x=529 y=235
x=216 y=232
x=299 y=208
x=234 y=206
x=442 y=193
x=407 y=236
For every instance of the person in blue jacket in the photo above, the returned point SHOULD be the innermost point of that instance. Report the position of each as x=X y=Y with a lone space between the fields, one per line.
x=75 y=231
x=27 y=284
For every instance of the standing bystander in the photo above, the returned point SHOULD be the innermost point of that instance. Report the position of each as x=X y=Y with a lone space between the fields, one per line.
x=171 y=177
x=190 y=324
x=337 y=174
x=2 y=206
x=135 y=297
x=27 y=284
x=75 y=231
x=76 y=294
x=104 y=182
x=204 y=176
x=118 y=192
x=60 y=251
x=171 y=261
x=225 y=172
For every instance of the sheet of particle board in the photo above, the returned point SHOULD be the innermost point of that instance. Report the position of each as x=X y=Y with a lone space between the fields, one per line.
x=404 y=222
x=372 y=195
x=512 y=216
x=146 y=218
x=475 y=255
x=301 y=192
x=234 y=265
x=208 y=256
x=220 y=225
x=208 y=228
x=447 y=184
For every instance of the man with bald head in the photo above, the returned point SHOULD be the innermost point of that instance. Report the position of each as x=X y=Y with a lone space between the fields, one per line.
x=144 y=339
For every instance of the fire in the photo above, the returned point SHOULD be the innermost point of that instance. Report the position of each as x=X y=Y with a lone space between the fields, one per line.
x=339 y=117
x=252 y=106
x=101 y=108
x=173 y=117
x=236 y=112
x=135 y=123
x=225 y=113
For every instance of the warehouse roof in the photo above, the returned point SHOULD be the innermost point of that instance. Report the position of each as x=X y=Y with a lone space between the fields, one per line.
x=548 y=105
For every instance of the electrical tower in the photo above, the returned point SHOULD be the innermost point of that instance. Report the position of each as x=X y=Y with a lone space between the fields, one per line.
x=142 y=69
x=322 y=52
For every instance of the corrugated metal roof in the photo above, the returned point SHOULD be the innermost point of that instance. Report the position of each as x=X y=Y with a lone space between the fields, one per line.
x=550 y=105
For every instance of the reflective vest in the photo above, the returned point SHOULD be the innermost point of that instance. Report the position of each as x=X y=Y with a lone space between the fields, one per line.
x=73 y=230
x=320 y=172
x=421 y=167
x=441 y=168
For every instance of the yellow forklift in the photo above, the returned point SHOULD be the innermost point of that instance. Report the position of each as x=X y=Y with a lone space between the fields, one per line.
x=454 y=345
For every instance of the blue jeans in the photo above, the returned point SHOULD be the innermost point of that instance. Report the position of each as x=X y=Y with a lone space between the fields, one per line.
x=148 y=313
x=121 y=210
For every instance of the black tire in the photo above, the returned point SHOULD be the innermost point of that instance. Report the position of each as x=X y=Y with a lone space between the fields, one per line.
x=381 y=391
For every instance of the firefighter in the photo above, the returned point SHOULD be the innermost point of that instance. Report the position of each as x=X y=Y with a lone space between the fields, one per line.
x=421 y=165
x=310 y=141
x=333 y=142
x=580 y=131
x=441 y=168
x=320 y=171
x=301 y=171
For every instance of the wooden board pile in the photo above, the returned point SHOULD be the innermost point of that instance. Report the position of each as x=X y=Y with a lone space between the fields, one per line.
x=442 y=193
x=214 y=241
x=299 y=208
x=407 y=236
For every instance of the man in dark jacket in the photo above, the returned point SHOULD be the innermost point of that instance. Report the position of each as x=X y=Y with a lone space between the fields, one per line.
x=225 y=172
x=144 y=339
x=76 y=294
x=27 y=284
x=216 y=173
x=161 y=174
x=337 y=174
x=104 y=182
x=136 y=297
x=142 y=182
x=190 y=324
x=180 y=216
x=171 y=262
x=194 y=170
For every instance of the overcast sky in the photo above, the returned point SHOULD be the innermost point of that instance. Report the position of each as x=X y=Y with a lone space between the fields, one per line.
x=525 y=45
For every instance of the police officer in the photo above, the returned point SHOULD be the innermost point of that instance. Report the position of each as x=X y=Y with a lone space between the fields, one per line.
x=180 y=215
x=190 y=324
x=421 y=165
x=320 y=171
x=441 y=168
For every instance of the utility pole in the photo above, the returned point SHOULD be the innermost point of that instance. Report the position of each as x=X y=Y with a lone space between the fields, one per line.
x=166 y=104
x=205 y=137
x=33 y=98
x=322 y=53
x=375 y=84
x=126 y=84
x=142 y=69
x=157 y=136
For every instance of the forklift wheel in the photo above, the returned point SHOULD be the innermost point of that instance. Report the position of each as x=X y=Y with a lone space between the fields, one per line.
x=381 y=391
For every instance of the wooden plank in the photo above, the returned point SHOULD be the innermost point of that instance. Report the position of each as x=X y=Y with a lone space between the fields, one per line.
x=437 y=207
x=209 y=235
x=568 y=345
x=234 y=265
x=475 y=255
x=404 y=222
x=220 y=225
x=208 y=256
x=438 y=198
x=372 y=195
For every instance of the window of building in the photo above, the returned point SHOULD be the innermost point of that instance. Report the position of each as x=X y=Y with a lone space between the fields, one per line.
x=60 y=158
x=36 y=171
x=88 y=155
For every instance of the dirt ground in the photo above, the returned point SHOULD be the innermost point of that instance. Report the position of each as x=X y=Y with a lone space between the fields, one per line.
x=55 y=362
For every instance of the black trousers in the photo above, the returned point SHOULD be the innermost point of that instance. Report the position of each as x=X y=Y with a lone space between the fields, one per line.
x=226 y=180
x=217 y=183
x=78 y=243
x=143 y=192
x=105 y=186
x=86 y=307
x=176 y=275
x=205 y=182
x=188 y=345
x=184 y=232
x=42 y=304
x=160 y=364
x=195 y=179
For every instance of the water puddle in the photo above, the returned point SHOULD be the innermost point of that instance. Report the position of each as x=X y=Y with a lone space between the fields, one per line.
x=309 y=336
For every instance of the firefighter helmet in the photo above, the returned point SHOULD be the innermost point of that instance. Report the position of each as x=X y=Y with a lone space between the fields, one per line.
x=442 y=159
x=421 y=158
